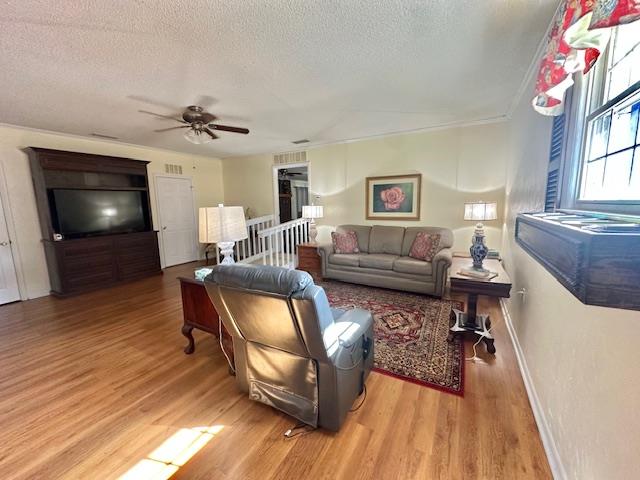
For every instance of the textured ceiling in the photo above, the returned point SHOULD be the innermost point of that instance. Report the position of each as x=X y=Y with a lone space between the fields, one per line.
x=318 y=69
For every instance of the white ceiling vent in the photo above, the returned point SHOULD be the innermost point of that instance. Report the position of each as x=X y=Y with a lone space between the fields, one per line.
x=290 y=157
x=173 y=169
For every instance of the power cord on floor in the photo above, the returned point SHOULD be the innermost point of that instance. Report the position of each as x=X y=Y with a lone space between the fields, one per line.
x=303 y=427
x=364 y=397
x=475 y=354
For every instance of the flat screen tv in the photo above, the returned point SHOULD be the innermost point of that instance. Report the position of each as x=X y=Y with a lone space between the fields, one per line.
x=82 y=213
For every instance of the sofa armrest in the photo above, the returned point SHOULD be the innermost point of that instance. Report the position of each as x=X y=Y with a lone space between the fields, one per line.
x=324 y=251
x=441 y=263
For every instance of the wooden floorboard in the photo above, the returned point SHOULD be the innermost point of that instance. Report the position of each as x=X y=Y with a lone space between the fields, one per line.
x=97 y=387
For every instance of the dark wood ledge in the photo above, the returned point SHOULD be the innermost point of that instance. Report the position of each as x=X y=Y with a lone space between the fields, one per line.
x=597 y=260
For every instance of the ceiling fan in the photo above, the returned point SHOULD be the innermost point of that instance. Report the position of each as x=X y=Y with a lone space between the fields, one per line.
x=199 y=124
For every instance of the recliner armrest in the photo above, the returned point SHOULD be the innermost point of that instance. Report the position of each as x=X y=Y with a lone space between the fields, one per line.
x=346 y=331
x=360 y=321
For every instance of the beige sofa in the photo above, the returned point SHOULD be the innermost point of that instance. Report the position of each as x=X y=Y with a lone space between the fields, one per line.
x=384 y=259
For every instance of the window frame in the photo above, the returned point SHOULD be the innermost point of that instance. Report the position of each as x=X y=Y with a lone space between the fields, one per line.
x=586 y=91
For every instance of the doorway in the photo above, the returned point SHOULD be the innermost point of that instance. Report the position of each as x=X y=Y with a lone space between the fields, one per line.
x=292 y=191
x=177 y=219
x=9 y=291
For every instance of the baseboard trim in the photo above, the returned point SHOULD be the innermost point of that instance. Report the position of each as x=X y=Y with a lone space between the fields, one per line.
x=548 y=442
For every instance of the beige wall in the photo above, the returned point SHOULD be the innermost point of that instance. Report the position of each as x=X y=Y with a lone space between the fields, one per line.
x=581 y=359
x=205 y=171
x=457 y=165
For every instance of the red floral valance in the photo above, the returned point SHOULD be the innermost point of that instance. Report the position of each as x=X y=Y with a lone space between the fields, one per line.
x=580 y=31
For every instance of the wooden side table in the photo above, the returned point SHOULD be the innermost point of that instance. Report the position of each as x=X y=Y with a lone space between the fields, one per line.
x=471 y=320
x=199 y=312
x=309 y=259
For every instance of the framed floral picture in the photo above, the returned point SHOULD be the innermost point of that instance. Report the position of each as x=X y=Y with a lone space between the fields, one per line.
x=395 y=197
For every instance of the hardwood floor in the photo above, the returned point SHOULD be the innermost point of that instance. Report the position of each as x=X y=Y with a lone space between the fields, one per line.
x=97 y=387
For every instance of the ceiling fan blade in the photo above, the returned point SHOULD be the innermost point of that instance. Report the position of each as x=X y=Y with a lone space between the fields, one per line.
x=227 y=128
x=211 y=134
x=172 y=128
x=167 y=117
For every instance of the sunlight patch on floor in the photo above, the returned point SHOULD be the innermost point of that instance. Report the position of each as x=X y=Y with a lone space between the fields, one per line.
x=174 y=452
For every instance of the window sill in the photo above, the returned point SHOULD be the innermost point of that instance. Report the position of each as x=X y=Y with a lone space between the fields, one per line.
x=598 y=267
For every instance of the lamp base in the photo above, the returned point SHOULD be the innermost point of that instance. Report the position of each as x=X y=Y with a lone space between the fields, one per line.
x=478 y=249
x=226 y=249
x=313 y=231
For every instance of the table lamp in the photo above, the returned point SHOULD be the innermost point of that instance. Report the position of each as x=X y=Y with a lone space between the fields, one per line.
x=479 y=211
x=223 y=226
x=312 y=212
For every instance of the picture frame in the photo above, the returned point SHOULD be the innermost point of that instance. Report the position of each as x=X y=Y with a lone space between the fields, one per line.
x=393 y=197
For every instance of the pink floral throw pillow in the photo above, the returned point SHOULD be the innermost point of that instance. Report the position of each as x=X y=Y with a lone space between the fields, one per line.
x=425 y=246
x=346 y=242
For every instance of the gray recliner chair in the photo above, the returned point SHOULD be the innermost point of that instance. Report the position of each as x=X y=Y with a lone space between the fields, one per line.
x=291 y=350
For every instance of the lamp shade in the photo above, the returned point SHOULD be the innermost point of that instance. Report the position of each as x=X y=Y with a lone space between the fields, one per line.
x=222 y=224
x=480 y=211
x=312 y=211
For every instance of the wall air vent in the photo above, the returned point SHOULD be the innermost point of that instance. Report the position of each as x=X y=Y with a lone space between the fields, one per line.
x=290 y=157
x=298 y=142
x=100 y=135
x=173 y=169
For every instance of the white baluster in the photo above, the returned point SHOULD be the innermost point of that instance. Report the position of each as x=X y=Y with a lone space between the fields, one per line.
x=288 y=246
x=252 y=232
x=292 y=247
x=281 y=240
x=295 y=246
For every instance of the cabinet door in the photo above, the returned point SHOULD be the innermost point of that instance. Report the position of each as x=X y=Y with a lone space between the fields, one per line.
x=86 y=264
x=137 y=255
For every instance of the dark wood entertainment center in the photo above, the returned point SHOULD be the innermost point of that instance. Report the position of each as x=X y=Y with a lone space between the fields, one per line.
x=78 y=265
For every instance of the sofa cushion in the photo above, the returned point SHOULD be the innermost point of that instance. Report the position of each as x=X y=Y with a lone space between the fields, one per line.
x=413 y=266
x=381 y=261
x=346 y=242
x=425 y=246
x=385 y=239
x=446 y=237
x=348 y=259
x=362 y=232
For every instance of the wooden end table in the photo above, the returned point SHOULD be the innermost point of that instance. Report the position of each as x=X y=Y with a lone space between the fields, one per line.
x=199 y=312
x=309 y=259
x=471 y=320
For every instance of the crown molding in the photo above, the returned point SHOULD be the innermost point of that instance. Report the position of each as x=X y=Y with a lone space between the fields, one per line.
x=443 y=126
x=104 y=140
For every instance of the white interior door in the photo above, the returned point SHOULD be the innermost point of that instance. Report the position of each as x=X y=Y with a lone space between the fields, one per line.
x=8 y=279
x=176 y=211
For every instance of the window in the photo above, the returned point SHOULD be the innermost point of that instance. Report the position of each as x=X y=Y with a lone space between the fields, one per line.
x=604 y=162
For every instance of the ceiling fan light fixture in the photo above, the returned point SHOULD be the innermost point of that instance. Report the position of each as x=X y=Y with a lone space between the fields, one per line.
x=196 y=136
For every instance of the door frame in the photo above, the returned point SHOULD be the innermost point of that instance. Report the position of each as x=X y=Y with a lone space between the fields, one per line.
x=275 y=193
x=11 y=230
x=159 y=216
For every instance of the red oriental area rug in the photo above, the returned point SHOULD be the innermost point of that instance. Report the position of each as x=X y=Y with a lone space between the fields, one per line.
x=410 y=334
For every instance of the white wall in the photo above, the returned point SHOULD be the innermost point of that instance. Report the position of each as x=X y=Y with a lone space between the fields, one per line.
x=457 y=165
x=205 y=171
x=581 y=359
